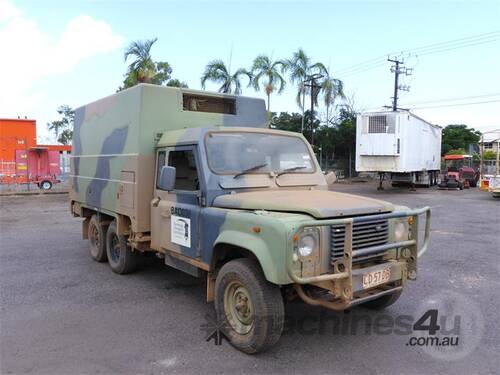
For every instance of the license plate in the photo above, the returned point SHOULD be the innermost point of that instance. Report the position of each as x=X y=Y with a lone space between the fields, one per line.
x=376 y=278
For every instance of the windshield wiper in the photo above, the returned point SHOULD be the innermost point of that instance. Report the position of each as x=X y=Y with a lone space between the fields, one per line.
x=288 y=170
x=254 y=168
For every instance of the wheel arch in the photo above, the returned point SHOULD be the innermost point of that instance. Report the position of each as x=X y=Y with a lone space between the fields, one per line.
x=232 y=245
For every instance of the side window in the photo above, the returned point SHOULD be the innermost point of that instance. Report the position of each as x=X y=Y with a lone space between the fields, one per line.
x=186 y=177
x=160 y=163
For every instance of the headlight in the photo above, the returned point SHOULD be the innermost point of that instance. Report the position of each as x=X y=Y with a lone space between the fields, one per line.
x=400 y=231
x=306 y=245
x=308 y=242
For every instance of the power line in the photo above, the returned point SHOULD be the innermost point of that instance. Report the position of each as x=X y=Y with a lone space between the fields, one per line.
x=457 y=105
x=377 y=64
x=452 y=99
x=362 y=70
x=472 y=38
x=457 y=47
x=469 y=41
x=363 y=64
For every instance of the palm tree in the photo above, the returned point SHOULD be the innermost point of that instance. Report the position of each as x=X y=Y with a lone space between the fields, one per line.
x=216 y=71
x=264 y=67
x=143 y=67
x=301 y=68
x=331 y=88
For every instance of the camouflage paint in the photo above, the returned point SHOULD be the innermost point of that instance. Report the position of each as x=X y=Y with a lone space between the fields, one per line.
x=112 y=146
x=119 y=136
x=320 y=204
x=102 y=152
x=77 y=146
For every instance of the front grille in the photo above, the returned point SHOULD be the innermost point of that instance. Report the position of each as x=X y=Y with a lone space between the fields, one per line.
x=366 y=234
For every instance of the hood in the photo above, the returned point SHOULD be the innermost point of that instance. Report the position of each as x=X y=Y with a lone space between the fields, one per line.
x=320 y=204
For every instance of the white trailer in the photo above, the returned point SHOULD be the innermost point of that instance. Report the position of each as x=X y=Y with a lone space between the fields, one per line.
x=399 y=146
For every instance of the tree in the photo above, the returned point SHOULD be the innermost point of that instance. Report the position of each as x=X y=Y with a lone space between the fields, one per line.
x=263 y=68
x=331 y=88
x=217 y=72
x=301 y=68
x=459 y=151
x=63 y=128
x=66 y=137
x=143 y=69
x=489 y=155
x=458 y=137
x=176 y=83
x=285 y=121
x=293 y=123
x=345 y=134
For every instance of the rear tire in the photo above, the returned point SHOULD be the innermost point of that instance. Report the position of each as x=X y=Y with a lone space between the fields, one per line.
x=250 y=310
x=45 y=185
x=382 y=302
x=121 y=258
x=97 y=239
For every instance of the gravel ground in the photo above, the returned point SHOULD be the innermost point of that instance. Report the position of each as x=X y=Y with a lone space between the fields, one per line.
x=62 y=313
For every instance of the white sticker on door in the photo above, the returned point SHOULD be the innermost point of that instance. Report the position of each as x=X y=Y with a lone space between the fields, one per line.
x=180 y=231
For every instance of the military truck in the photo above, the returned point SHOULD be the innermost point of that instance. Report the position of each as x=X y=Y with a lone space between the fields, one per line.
x=199 y=179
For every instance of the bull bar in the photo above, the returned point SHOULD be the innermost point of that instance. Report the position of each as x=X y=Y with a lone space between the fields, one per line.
x=349 y=253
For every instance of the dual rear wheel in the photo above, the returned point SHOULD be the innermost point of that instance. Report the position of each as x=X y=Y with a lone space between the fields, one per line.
x=106 y=244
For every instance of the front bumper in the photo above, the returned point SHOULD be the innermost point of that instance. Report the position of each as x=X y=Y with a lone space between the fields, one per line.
x=347 y=284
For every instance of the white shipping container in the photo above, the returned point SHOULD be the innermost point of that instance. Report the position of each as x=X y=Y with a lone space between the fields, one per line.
x=398 y=143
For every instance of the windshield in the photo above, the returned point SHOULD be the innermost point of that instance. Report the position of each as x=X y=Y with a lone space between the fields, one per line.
x=231 y=153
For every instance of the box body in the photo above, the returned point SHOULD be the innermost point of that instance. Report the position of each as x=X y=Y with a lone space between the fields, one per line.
x=112 y=164
x=396 y=142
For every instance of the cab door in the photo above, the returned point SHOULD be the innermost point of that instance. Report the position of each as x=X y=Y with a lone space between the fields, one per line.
x=175 y=214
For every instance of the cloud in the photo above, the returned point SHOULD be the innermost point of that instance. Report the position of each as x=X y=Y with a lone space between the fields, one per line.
x=7 y=10
x=34 y=54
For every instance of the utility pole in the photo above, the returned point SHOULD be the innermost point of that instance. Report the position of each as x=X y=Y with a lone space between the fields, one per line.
x=397 y=70
x=303 y=107
x=313 y=85
x=498 y=158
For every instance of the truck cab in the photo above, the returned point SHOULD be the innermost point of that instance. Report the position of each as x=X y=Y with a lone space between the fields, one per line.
x=226 y=195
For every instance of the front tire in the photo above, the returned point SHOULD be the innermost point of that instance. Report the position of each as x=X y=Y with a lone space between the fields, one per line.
x=250 y=310
x=97 y=239
x=121 y=258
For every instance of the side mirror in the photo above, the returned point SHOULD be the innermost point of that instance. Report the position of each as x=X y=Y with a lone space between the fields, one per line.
x=167 y=178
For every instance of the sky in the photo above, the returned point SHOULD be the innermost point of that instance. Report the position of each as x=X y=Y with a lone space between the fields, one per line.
x=71 y=52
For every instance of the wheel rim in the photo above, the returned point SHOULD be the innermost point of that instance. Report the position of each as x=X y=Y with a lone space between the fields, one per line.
x=94 y=239
x=46 y=186
x=115 y=249
x=238 y=307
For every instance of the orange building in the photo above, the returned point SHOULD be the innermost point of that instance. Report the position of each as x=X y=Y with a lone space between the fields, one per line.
x=23 y=160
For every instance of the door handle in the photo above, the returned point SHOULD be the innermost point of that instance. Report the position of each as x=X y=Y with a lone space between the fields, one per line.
x=156 y=201
x=166 y=214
